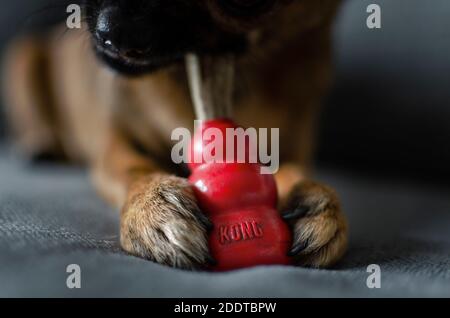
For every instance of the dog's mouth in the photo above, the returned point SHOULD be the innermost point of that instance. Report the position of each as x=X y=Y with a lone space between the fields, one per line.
x=134 y=63
x=210 y=77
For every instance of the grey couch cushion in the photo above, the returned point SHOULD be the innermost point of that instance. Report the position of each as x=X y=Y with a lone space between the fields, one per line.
x=388 y=112
x=50 y=217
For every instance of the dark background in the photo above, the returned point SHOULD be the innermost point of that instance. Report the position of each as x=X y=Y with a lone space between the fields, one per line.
x=388 y=113
x=383 y=147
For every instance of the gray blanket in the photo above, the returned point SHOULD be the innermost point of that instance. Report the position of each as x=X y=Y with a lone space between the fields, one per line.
x=389 y=110
x=50 y=217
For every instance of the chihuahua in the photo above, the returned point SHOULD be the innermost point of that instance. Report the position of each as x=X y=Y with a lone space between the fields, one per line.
x=110 y=94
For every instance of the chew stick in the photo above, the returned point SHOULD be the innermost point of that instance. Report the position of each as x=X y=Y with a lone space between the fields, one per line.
x=211 y=84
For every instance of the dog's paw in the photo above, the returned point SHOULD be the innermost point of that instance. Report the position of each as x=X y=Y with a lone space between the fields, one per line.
x=162 y=222
x=319 y=227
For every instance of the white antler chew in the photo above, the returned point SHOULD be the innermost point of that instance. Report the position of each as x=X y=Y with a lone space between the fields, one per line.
x=211 y=84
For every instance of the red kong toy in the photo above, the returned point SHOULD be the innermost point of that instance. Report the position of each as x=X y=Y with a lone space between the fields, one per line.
x=241 y=203
x=239 y=200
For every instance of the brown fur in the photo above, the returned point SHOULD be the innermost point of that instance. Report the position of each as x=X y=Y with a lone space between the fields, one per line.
x=62 y=99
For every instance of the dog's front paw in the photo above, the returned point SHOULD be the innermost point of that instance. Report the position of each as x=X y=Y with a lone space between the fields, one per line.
x=319 y=227
x=162 y=222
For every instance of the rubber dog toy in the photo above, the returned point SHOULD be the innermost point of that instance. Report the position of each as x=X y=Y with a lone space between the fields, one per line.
x=239 y=200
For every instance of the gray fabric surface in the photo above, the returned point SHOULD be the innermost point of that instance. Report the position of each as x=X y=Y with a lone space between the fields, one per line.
x=50 y=217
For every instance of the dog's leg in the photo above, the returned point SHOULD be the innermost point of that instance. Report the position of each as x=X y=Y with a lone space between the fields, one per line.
x=28 y=99
x=160 y=219
x=312 y=209
x=314 y=213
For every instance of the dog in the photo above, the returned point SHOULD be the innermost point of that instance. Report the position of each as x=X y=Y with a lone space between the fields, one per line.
x=110 y=94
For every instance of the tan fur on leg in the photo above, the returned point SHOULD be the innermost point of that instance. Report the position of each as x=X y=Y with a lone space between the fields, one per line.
x=160 y=219
x=162 y=222
x=320 y=228
x=26 y=87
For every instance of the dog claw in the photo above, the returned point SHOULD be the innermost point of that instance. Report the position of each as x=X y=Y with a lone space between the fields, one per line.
x=297 y=249
x=298 y=212
x=211 y=261
x=205 y=221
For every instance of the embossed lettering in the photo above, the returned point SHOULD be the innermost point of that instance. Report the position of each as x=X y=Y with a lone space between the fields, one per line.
x=243 y=231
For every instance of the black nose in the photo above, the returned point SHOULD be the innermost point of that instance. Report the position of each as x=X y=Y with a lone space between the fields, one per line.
x=115 y=35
